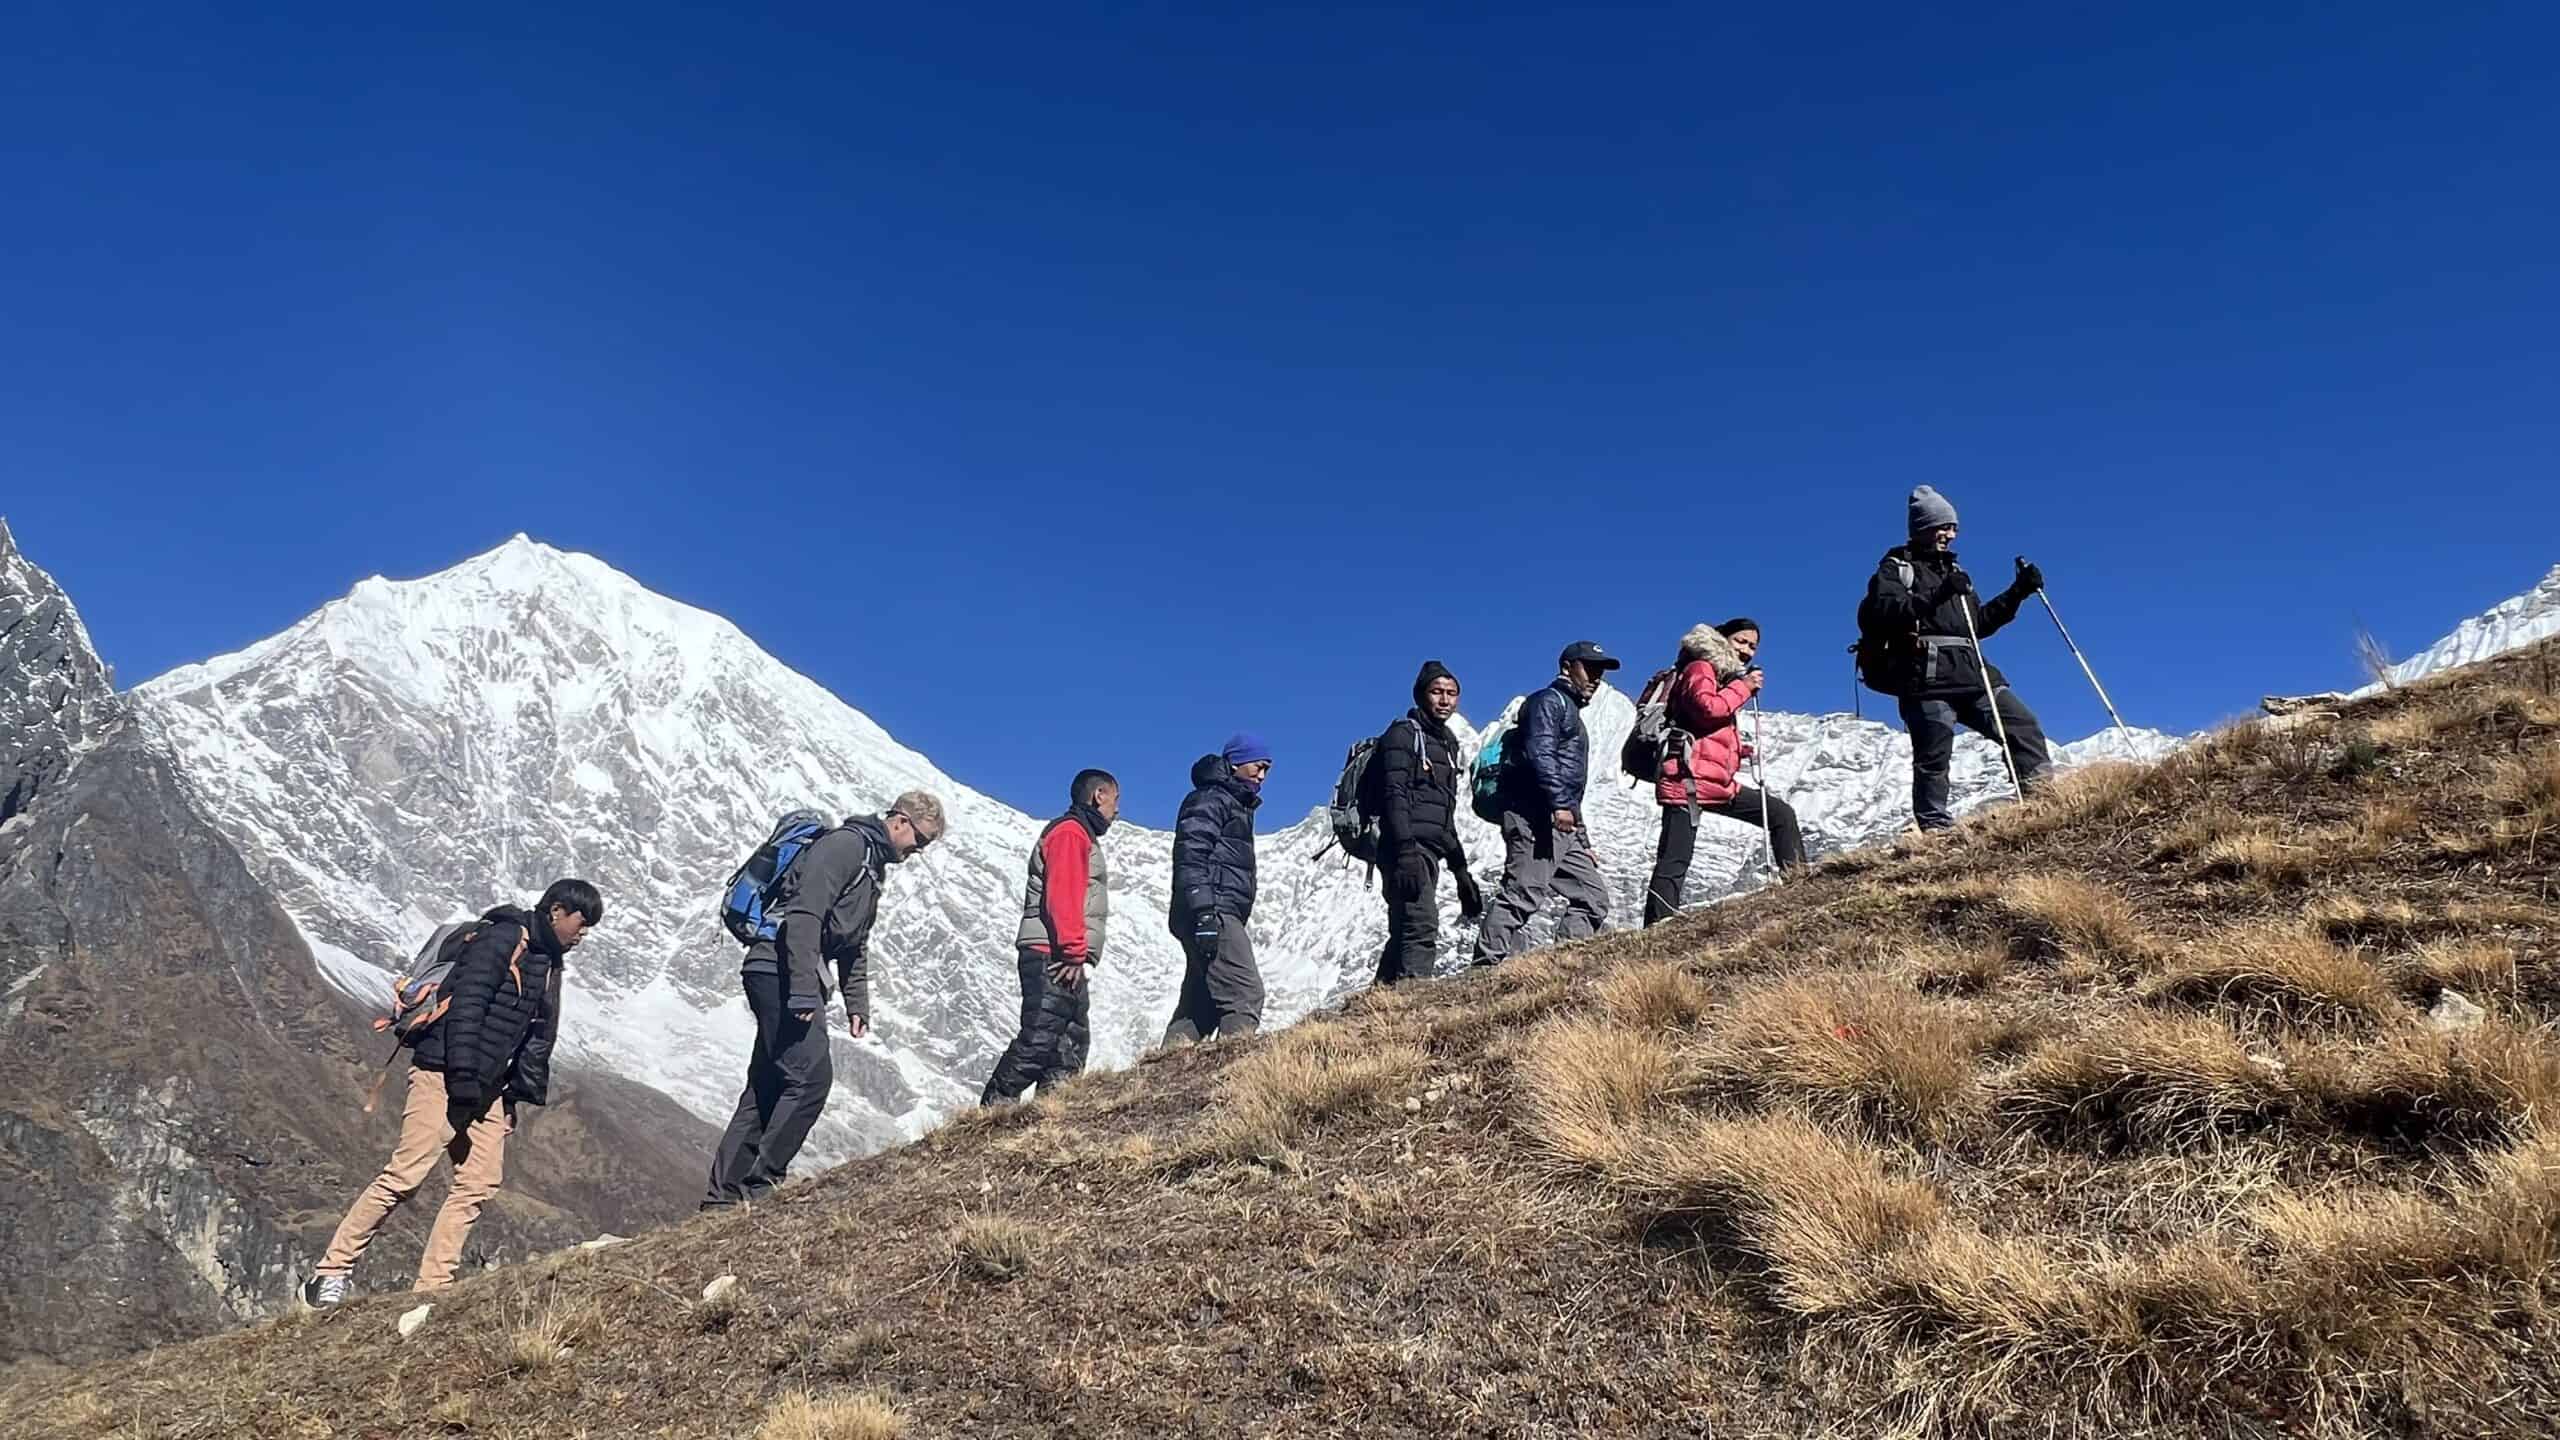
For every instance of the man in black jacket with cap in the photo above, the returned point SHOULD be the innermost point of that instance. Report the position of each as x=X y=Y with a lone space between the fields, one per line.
x=1922 y=610
x=1546 y=851
x=1417 y=774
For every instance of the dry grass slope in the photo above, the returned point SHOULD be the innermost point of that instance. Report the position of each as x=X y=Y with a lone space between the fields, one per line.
x=2137 y=1109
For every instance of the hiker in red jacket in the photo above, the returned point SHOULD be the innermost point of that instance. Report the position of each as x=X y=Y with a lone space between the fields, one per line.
x=1703 y=775
x=1066 y=902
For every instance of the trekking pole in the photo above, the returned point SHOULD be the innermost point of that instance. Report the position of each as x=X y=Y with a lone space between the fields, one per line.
x=1760 y=772
x=2074 y=647
x=1991 y=697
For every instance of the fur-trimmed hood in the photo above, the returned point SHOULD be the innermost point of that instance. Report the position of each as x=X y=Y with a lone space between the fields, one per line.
x=1706 y=642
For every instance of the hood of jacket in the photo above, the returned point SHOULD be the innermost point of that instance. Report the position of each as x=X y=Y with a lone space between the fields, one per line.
x=1211 y=770
x=1706 y=642
x=875 y=839
x=536 y=923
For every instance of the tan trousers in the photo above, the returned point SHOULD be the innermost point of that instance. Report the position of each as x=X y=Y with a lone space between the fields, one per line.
x=479 y=1155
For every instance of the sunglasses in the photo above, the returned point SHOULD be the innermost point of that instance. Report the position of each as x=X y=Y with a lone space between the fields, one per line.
x=923 y=840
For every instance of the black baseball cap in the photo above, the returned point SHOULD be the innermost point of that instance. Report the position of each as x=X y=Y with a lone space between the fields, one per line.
x=1589 y=653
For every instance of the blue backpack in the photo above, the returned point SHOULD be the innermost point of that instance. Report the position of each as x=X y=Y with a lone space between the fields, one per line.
x=744 y=904
x=1486 y=799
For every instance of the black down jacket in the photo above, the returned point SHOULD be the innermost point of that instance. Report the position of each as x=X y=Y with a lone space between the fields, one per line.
x=495 y=1037
x=1418 y=775
x=1917 y=603
x=1213 y=846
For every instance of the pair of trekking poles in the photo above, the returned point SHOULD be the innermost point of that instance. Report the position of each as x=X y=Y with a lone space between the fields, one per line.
x=1991 y=697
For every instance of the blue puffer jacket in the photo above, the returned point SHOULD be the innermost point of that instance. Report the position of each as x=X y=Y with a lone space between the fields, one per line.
x=1548 y=757
x=1213 y=846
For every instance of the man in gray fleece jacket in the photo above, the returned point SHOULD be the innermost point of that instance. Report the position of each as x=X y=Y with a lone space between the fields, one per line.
x=826 y=901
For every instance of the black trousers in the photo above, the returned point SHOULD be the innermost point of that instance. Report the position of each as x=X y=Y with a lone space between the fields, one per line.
x=1932 y=721
x=788 y=1076
x=1413 y=930
x=1221 y=984
x=1057 y=1025
x=1680 y=842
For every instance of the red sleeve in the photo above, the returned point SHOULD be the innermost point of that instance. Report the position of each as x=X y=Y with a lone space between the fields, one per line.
x=1698 y=702
x=1067 y=854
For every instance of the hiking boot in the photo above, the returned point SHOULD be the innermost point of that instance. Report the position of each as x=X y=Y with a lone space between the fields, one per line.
x=322 y=1291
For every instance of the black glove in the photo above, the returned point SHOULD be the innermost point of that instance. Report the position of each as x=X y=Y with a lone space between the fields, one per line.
x=459 y=1115
x=1957 y=583
x=1413 y=874
x=1470 y=899
x=2030 y=579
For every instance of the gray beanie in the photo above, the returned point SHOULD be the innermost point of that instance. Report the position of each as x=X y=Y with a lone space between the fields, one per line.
x=1929 y=510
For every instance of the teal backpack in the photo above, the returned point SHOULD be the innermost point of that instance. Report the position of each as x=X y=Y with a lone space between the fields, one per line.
x=1486 y=800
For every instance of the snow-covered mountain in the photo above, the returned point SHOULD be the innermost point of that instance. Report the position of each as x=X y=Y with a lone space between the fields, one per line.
x=420 y=748
x=2531 y=616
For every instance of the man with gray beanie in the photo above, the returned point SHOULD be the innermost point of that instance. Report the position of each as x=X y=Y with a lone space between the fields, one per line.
x=1918 y=630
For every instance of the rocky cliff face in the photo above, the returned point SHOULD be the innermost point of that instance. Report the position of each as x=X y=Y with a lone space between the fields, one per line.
x=179 y=1087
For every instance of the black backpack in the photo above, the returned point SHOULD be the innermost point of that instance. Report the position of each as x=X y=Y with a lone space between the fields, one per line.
x=1354 y=811
x=1882 y=653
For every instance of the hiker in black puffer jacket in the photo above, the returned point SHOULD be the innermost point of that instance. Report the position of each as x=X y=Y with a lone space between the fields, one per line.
x=470 y=1068
x=1919 y=601
x=1213 y=891
x=1418 y=770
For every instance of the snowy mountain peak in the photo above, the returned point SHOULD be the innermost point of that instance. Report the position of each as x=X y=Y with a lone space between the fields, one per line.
x=2528 y=617
x=55 y=693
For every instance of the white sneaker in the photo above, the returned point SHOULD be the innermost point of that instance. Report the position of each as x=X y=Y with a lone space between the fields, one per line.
x=322 y=1291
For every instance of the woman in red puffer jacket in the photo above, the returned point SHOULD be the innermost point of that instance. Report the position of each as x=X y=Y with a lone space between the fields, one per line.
x=1716 y=680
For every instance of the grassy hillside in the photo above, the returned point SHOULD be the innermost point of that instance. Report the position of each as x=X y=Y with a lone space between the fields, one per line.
x=2211 y=1098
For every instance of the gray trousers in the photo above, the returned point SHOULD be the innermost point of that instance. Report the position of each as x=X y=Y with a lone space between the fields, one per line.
x=788 y=1076
x=1221 y=984
x=1541 y=863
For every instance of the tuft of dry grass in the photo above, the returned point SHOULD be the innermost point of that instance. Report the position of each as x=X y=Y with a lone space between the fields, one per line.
x=2477 y=968
x=2525 y=794
x=2359 y=918
x=80 y=1410
x=1855 y=1045
x=553 y=1335
x=2063 y=917
x=2294 y=974
x=2200 y=828
x=1780 y=1190
x=1588 y=1086
x=2180 y=1081
x=2427 y=1089
x=1958 y=970
x=1653 y=997
x=1307 y=1075
x=2464 y=714
x=2176 y=1080
x=2261 y=855
x=861 y=1416
x=2085 y=795
x=997 y=1247
x=853 y=1352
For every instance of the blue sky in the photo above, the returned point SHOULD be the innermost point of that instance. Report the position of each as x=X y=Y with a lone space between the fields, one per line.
x=1072 y=385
